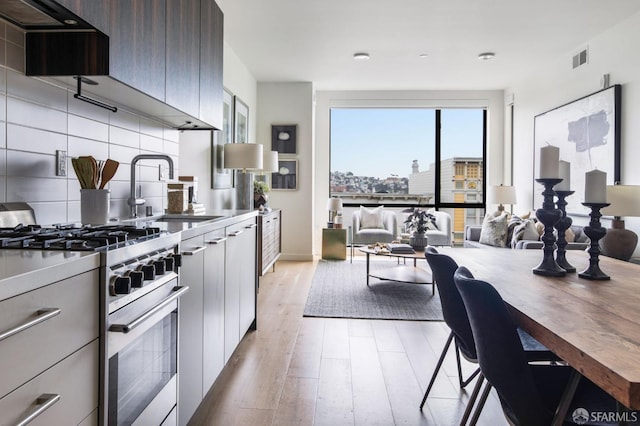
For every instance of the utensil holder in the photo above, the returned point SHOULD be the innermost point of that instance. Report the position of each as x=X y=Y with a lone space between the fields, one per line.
x=94 y=206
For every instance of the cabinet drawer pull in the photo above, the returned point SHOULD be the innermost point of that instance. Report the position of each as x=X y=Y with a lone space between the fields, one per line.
x=253 y=225
x=236 y=233
x=194 y=251
x=217 y=241
x=43 y=315
x=125 y=328
x=43 y=403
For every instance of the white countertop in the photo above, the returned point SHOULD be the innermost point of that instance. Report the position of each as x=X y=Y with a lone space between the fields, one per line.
x=25 y=270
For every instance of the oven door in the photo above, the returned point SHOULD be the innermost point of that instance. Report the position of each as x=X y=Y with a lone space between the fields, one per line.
x=142 y=355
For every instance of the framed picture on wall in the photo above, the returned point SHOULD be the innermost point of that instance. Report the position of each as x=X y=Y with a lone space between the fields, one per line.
x=587 y=132
x=241 y=121
x=283 y=138
x=287 y=175
x=222 y=178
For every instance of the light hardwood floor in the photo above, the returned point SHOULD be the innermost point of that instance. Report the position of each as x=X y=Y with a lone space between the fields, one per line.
x=322 y=371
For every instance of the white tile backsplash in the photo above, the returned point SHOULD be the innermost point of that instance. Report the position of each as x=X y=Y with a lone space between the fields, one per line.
x=35 y=140
x=3 y=135
x=124 y=137
x=151 y=144
x=36 y=90
x=34 y=189
x=29 y=164
x=79 y=146
x=38 y=117
x=80 y=126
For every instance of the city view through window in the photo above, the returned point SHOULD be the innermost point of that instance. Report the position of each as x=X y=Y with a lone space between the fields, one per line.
x=387 y=156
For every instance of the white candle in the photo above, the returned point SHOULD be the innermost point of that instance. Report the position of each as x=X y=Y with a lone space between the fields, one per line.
x=549 y=162
x=565 y=175
x=595 y=187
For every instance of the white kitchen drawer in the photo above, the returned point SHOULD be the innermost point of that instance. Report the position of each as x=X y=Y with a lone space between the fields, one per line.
x=74 y=379
x=29 y=352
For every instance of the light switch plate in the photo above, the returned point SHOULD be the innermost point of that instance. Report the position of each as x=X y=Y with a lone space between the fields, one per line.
x=61 y=163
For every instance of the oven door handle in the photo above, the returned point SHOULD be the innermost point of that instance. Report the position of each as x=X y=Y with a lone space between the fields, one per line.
x=125 y=328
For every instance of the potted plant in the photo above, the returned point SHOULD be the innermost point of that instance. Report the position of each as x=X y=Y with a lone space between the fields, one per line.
x=260 y=196
x=417 y=222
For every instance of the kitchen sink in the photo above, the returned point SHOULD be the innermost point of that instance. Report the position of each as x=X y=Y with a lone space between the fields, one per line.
x=174 y=218
x=184 y=218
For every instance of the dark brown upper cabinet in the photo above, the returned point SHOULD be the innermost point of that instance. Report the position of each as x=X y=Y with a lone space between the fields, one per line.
x=95 y=12
x=138 y=45
x=211 y=54
x=183 y=55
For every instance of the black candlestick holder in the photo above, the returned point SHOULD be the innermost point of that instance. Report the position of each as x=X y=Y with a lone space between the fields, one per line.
x=548 y=215
x=595 y=232
x=561 y=226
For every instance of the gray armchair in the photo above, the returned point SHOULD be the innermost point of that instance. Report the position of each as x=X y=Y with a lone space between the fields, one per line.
x=442 y=235
x=375 y=235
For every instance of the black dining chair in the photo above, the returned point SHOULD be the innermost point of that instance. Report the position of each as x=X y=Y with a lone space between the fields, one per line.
x=455 y=316
x=529 y=393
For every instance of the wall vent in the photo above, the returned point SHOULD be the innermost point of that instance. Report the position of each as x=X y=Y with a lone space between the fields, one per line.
x=581 y=58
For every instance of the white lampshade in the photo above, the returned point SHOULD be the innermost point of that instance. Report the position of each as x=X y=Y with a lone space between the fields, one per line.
x=502 y=194
x=334 y=204
x=270 y=161
x=246 y=156
x=624 y=200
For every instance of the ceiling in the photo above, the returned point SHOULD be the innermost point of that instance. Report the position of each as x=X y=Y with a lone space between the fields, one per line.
x=314 y=40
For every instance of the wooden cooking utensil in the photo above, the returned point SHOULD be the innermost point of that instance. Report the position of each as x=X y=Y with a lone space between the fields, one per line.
x=108 y=171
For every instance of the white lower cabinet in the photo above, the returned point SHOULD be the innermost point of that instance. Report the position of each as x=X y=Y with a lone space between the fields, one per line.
x=213 y=319
x=49 y=353
x=190 y=312
x=220 y=269
x=63 y=394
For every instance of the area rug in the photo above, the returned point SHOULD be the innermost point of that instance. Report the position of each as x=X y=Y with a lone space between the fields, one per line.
x=339 y=290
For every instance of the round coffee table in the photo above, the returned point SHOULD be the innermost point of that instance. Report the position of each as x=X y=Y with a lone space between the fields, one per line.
x=401 y=273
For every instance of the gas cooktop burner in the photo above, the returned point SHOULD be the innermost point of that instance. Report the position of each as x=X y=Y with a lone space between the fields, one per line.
x=67 y=237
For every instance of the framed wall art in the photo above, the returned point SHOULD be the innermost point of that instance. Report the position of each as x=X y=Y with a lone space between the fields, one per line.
x=241 y=121
x=287 y=175
x=283 y=138
x=587 y=131
x=222 y=178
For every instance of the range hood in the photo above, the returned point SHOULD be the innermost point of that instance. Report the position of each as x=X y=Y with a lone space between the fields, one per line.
x=40 y=14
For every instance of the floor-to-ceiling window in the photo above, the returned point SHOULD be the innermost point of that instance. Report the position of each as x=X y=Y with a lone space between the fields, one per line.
x=404 y=157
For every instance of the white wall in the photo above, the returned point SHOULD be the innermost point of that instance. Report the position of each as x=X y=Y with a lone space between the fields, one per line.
x=614 y=52
x=492 y=100
x=195 y=146
x=292 y=103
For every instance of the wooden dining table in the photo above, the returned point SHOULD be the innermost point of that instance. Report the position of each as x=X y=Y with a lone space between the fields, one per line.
x=592 y=325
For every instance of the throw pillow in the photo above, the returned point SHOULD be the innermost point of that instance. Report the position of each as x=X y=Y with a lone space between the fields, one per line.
x=525 y=231
x=371 y=218
x=494 y=230
x=569 y=235
x=512 y=223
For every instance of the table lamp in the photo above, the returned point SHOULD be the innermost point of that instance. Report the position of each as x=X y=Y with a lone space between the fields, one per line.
x=334 y=205
x=619 y=242
x=502 y=195
x=244 y=156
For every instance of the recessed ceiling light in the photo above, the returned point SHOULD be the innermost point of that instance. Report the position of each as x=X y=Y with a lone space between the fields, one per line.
x=423 y=55
x=486 y=55
x=361 y=56
x=71 y=22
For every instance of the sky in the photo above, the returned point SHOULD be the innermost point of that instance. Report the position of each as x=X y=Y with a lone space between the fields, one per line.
x=383 y=142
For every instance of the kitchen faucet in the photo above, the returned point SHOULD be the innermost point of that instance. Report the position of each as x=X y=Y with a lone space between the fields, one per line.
x=134 y=202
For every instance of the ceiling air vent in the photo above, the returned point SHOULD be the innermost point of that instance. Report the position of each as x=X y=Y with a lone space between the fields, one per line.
x=580 y=58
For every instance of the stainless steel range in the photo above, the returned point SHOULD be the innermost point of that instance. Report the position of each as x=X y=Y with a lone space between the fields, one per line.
x=138 y=313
